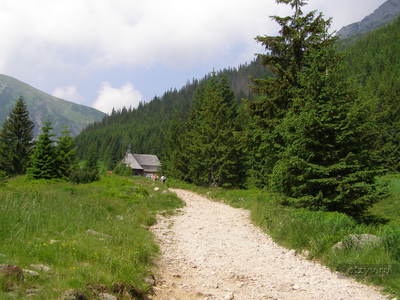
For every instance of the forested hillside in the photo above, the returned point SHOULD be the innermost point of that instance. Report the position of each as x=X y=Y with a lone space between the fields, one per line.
x=146 y=128
x=371 y=62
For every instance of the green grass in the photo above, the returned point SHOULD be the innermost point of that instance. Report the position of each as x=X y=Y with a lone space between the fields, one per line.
x=390 y=208
x=317 y=232
x=46 y=222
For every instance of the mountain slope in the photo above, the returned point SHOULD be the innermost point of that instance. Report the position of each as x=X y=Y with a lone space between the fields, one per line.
x=43 y=107
x=373 y=62
x=381 y=16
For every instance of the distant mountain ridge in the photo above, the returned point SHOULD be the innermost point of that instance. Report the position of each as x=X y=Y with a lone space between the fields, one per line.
x=385 y=13
x=44 y=107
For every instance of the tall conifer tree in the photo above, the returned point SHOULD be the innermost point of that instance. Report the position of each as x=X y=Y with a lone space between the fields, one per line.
x=44 y=156
x=65 y=154
x=210 y=154
x=174 y=162
x=327 y=162
x=16 y=140
x=285 y=57
x=323 y=140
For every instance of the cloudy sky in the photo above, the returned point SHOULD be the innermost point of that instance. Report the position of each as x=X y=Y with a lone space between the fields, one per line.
x=114 y=53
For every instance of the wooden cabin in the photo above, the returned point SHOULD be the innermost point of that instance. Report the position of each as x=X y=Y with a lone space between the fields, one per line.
x=142 y=164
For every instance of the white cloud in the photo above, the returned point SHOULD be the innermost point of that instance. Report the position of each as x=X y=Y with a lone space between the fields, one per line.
x=134 y=32
x=48 y=42
x=67 y=93
x=46 y=33
x=109 y=97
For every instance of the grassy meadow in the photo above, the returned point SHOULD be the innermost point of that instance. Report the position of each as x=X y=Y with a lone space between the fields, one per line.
x=93 y=237
x=314 y=233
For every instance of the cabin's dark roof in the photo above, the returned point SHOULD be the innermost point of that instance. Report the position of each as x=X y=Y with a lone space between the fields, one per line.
x=147 y=160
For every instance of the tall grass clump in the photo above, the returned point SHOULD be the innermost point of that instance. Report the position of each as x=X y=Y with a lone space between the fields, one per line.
x=81 y=175
x=89 y=235
x=388 y=208
x=3 y=178
x=122 y=169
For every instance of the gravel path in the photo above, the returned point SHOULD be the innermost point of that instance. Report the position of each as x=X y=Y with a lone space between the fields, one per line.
x=212 y=251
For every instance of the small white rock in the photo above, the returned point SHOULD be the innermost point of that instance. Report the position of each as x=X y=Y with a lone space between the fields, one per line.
x=31 y=292
x=40 y=267
x=105 y=296
x=230 y=296
x=93 y=232
x=30 y=272
x=305 y=253
x=150 y=280
x=291 y=252
x=295 y=287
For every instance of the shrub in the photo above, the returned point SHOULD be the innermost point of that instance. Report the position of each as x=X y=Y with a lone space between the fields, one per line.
x=303 y=229
x=142 y=192
x=3 y=177
x=391 y=238
x=122 y=170
x=84 y=175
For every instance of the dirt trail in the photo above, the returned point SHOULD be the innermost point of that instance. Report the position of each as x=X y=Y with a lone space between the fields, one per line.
x=212 y=251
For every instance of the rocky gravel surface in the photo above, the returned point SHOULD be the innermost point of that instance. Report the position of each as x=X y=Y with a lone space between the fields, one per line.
x=212 y=251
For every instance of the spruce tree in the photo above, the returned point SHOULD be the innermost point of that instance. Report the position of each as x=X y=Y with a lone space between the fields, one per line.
x=16 y=140
x=174 y=163
x=210 y=151
x=324 y=162
x=44 y=157
x=93 y=158
x=89 y=172
x=65 y=154
x=285 y=57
